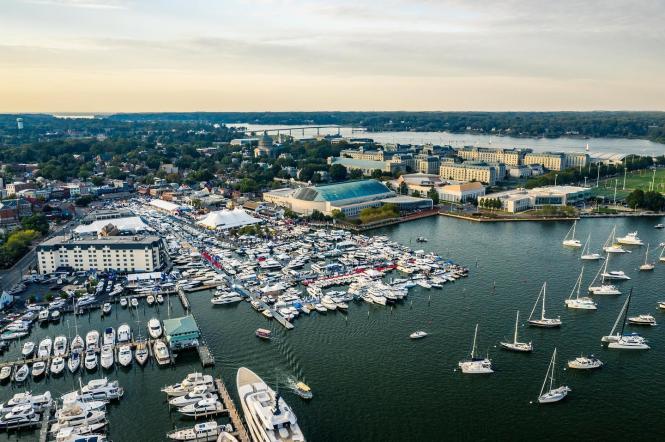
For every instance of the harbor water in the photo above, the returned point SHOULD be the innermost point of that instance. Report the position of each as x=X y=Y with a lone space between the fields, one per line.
x=372 y=383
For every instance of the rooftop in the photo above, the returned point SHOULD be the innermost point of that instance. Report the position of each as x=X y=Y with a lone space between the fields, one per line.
x=132 y=224
x=106 y=240
x=182 y=325
x=342 y=191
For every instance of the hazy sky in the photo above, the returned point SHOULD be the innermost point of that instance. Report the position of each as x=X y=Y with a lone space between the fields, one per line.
x=254 y=55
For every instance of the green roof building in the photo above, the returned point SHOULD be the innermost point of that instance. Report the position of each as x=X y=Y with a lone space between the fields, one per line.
x=182 y=332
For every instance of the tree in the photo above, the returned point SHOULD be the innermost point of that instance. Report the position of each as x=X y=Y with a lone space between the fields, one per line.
x=356 y=174
x=635 y=199
x=416 y=193
x=97 y=180
x=36 y=222
x=433 y=195
x=377 y=174
x=84 y=201
x=403 y=188
x=338 y=215
x=337 y=172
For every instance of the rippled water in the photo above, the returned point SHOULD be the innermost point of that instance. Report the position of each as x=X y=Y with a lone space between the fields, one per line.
x=371 y=382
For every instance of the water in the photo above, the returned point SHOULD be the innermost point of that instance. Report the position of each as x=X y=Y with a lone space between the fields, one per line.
x=371 y=382
x=596 y=145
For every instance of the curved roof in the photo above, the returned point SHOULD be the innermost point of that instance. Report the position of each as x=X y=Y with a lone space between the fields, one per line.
x=342 y=191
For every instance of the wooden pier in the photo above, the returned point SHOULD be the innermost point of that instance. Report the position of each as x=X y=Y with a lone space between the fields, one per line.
x=240 y=432
x=183 y=299
x=275 y=314
x=207 y=359
x=44 y=424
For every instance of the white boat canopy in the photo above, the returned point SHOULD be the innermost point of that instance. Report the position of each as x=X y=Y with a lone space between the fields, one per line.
x=228 y=219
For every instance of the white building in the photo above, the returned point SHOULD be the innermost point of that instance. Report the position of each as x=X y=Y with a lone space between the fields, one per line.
x=119 y=253
x=227 y=219
x=519 y=200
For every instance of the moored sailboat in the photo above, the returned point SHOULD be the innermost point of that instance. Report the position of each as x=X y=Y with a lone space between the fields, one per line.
x=570 y=240
x=552 y=394
x=543 y=321
x=476 y=365
x=516 y=345
x=583 y=303
x=621 y=341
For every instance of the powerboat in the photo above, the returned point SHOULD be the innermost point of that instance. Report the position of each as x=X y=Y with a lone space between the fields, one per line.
x=125 y=355
x=106 y=308
x=134 y=302
x=154 y=328
x=123 y=302
x=92 y=340
x=552 y=394
x=642 y=320
x=615 y=274
x=38 y=369
x=141 y=353
x=81 y=433
x=5 y=373
x=199 y=392
x=631 y=239
x=203 y=432
x=21 y=373
x=543 y=321
x=77 y=345
x=19 y=417
x=39 y=402
x=43 y=315
x=150 y=300
x=268 y=416
x=191 y=381
x=107 y=356
x=28 y=349
x=74 y=362
x=45 y=346
x=263 y=333
x=160 y=299
x=124 y=333
x=109 y=336
x=57 y=365
x=476 y=365
x=161 y=352
x=204 y=407
x=585 y=363
x=60 y=345
x=96 y=390
x=517 y=346
x=418 y=334
x=226 y=298
x=90 y=360
x=303 y=390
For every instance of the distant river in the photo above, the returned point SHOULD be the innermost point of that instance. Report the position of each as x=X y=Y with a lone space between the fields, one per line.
x=596 y=145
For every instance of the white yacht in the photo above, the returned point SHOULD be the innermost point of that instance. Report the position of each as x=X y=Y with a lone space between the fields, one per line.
x=60 y=345
x=631 y=239
x=621 y=341
x=77 y=345
x=603 y=288
x=642 y=320
x=28 y=349
x=204 y=407
x=516 y=345
x=552 y=394
x=418 y=334
x=38 y=369
x=226 y=298
x=125 y=355
x=21 y=373
x=124 y=333
x=570 y=240
x=611 y=246
x=92 y=340
x=543 y=321
x=583 y=303
x=39 y=402
x=328 y=303
x=90 y=360
x=191 y=382
x=57 y=365
x=161 y=352
x=268 y=416
x=203 y=432
x=587 y=255
x=198 y=393
x=585 y=363
x=616 y=274
x=141 y=354
x=476 y=365
x=647 y=266
x=107 y=356
x=109 y=336
x=44 y=350
x=74 y=362
x=19 y=416
x=95 y=390
x=154 y=328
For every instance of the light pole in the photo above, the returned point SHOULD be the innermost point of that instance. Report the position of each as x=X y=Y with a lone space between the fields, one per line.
x=585 y=181
x=625 y=171
x=598 y=176
x=653 y=181
x=556 y=175
x=616 y=182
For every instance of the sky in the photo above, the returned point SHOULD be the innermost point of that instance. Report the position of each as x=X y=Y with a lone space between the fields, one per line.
x=300 y=55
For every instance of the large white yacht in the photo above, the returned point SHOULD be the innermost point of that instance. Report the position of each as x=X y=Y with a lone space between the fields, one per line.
x=630 y=239
x=268 y=416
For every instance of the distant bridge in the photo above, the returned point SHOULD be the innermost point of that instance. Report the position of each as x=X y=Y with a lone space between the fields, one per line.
x=302 y=129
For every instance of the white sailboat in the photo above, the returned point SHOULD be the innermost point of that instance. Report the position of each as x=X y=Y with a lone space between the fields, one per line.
x=613 y=274
x=647 y=266
x=570 y=240
x=603 y=289
x=620 y=341
x=476 y=365
x=587 y=255
x=583 y=303
x=552 y=394
x=611 y=246
x=543 y=321
x=661 y=258
x=516 y=345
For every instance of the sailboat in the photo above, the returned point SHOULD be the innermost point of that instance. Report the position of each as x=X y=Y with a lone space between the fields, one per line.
x=611 y=246
x=621 y=341
x=543 y=321
x=570 y=240
x=515 y=345
x=583 y=303
x=647 y=266
x=476 y=365
x=613 y=274
x=553 y=394
x=661 y=258
x=586 y=254
x=603 y=289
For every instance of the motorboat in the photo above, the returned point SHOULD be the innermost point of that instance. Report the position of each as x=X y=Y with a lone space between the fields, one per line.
x=577 y=302
x=150 y=300
x=45 y=346
x=81 y=433
x=9 y=335
x=659 y=226
x=320 y=308
x=92 y=340
x=28 y=349
x=226 y=298
x=55 y=316
x=107 y=357
x=74 y=362
x=39 y=402
x=642 y=320
x=134 y=302
x=268 y=314
x=263 y=333
x=631 y=239
x=19 y=417
x=124 y=333
x=585 y=363
x=517 y=346
x=38 y=369
x=204 y=407
x=616 y=274
x=160 y=299
x=106 y=308
x=191 y=381
x=74 y=415
x=95 y=390
x=123 y=302
x=268 y=416
x=203 y=432
x=21 y=373
x=476 y=365
x=621 y=341
x=303 y=390
x=570 y=240
x=154 y=328
x=77 y=345
x=90 y=360
x=109 y=336
x=125 y=355
x=57 y=365
x=5 y=373
x=161 y=352
x=543 y=321
x=552 y=394
x=60 y=345
x=43 y=315
x=80 y=406
x=419 y=334
x=199 y=392
x=141 y=353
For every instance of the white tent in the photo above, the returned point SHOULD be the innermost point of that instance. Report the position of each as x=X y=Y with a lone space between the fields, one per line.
x=228 y=219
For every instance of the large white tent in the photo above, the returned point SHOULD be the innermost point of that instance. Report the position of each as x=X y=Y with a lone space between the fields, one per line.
x=228 y=219
x=131 y=224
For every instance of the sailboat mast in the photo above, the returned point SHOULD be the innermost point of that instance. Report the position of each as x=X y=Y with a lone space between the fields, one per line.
x=542 y=311
x=579 y=282
x=552 y=372
x=625 y=313
x=516 y=322
x=473 y=348
x=625 y=304
x=646 y=255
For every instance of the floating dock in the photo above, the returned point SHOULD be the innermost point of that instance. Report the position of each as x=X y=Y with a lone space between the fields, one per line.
x=183 y=299
x=43 y=430
x=240 y=432
x=207 y=359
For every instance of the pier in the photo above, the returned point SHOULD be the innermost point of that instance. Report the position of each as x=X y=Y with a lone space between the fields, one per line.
x=44 y=424
x=207 y=359
x=183 y=298
x=240 y=432
x=275 y=314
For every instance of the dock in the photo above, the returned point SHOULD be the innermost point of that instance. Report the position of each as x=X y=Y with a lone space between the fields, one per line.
x=275 y=314
x=44 y=424
x=207 y=359
x=240 y=432
x=183 y=299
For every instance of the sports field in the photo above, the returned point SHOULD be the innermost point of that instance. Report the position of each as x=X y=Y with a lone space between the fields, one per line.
x=638 y=179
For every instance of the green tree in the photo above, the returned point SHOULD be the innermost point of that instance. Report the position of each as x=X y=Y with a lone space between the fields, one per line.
x=377 y=174
x=337 y=172
x=433 y=195
x=356 y=174
x=403 y=188
x=338 y=215
x=36 y=222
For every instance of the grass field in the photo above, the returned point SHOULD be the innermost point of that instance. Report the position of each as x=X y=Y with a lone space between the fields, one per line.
x=639 y=179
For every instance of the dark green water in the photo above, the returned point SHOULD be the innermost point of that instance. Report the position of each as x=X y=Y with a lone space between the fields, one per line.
x=372 y=383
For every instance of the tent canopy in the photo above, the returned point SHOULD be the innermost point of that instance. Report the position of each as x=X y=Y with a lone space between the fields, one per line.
x=228 y=219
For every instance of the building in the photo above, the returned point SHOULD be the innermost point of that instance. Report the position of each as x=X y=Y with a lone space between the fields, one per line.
x=369 y=155
x=98 y=215
x=473 y=171
x=447 y=190
x=518 y=200
x=17 y=186
x=549 y=160
x=124 y=226
x=577 y=160
x=511 y=157
x=349 y=197
x=265 y=147
x=461 y=192
x=367 y=167
x=427 y=164
x=118 y=253
x=182 y=333
x=165 y=206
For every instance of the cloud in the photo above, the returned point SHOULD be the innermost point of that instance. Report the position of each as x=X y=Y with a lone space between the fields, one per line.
x=89 y=4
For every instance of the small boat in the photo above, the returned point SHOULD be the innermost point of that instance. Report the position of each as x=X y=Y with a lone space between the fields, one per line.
x=552 y=394
x=583 y=303
x=320 y=308
x=57 y=365
x=150 y=300
x=587 y=255
x=611 y=246
x=5 y=373
x=421 y=239
x=134 y=302
x=141 y=354
x=569 y=240
x=123 y=302
x=28 y=349
x=543 y=321
x=77 y=344
x=419 y=334
x=642 y=320
x=268 y=314
x=124 y=333
x=263 y=333
x=74 y=362
x=107 y=357
x=45 y=346
x=43 y=315
x=476 y=365
x=60 y=345
x=647 y=266
x=659 y=226
x=106 y=308
x=90 y=360
x=204 y=407
x=109 y=336
x=55 y=316
x=203 y=432
x=154 y=328
x=161 y=352
x=21 y=373
x=585 y=363
x=125 y=355
x=160 y=299
x=38 y=369
x=516 y=345
x=199 y=393
x=92 y=340
x=303 y=390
